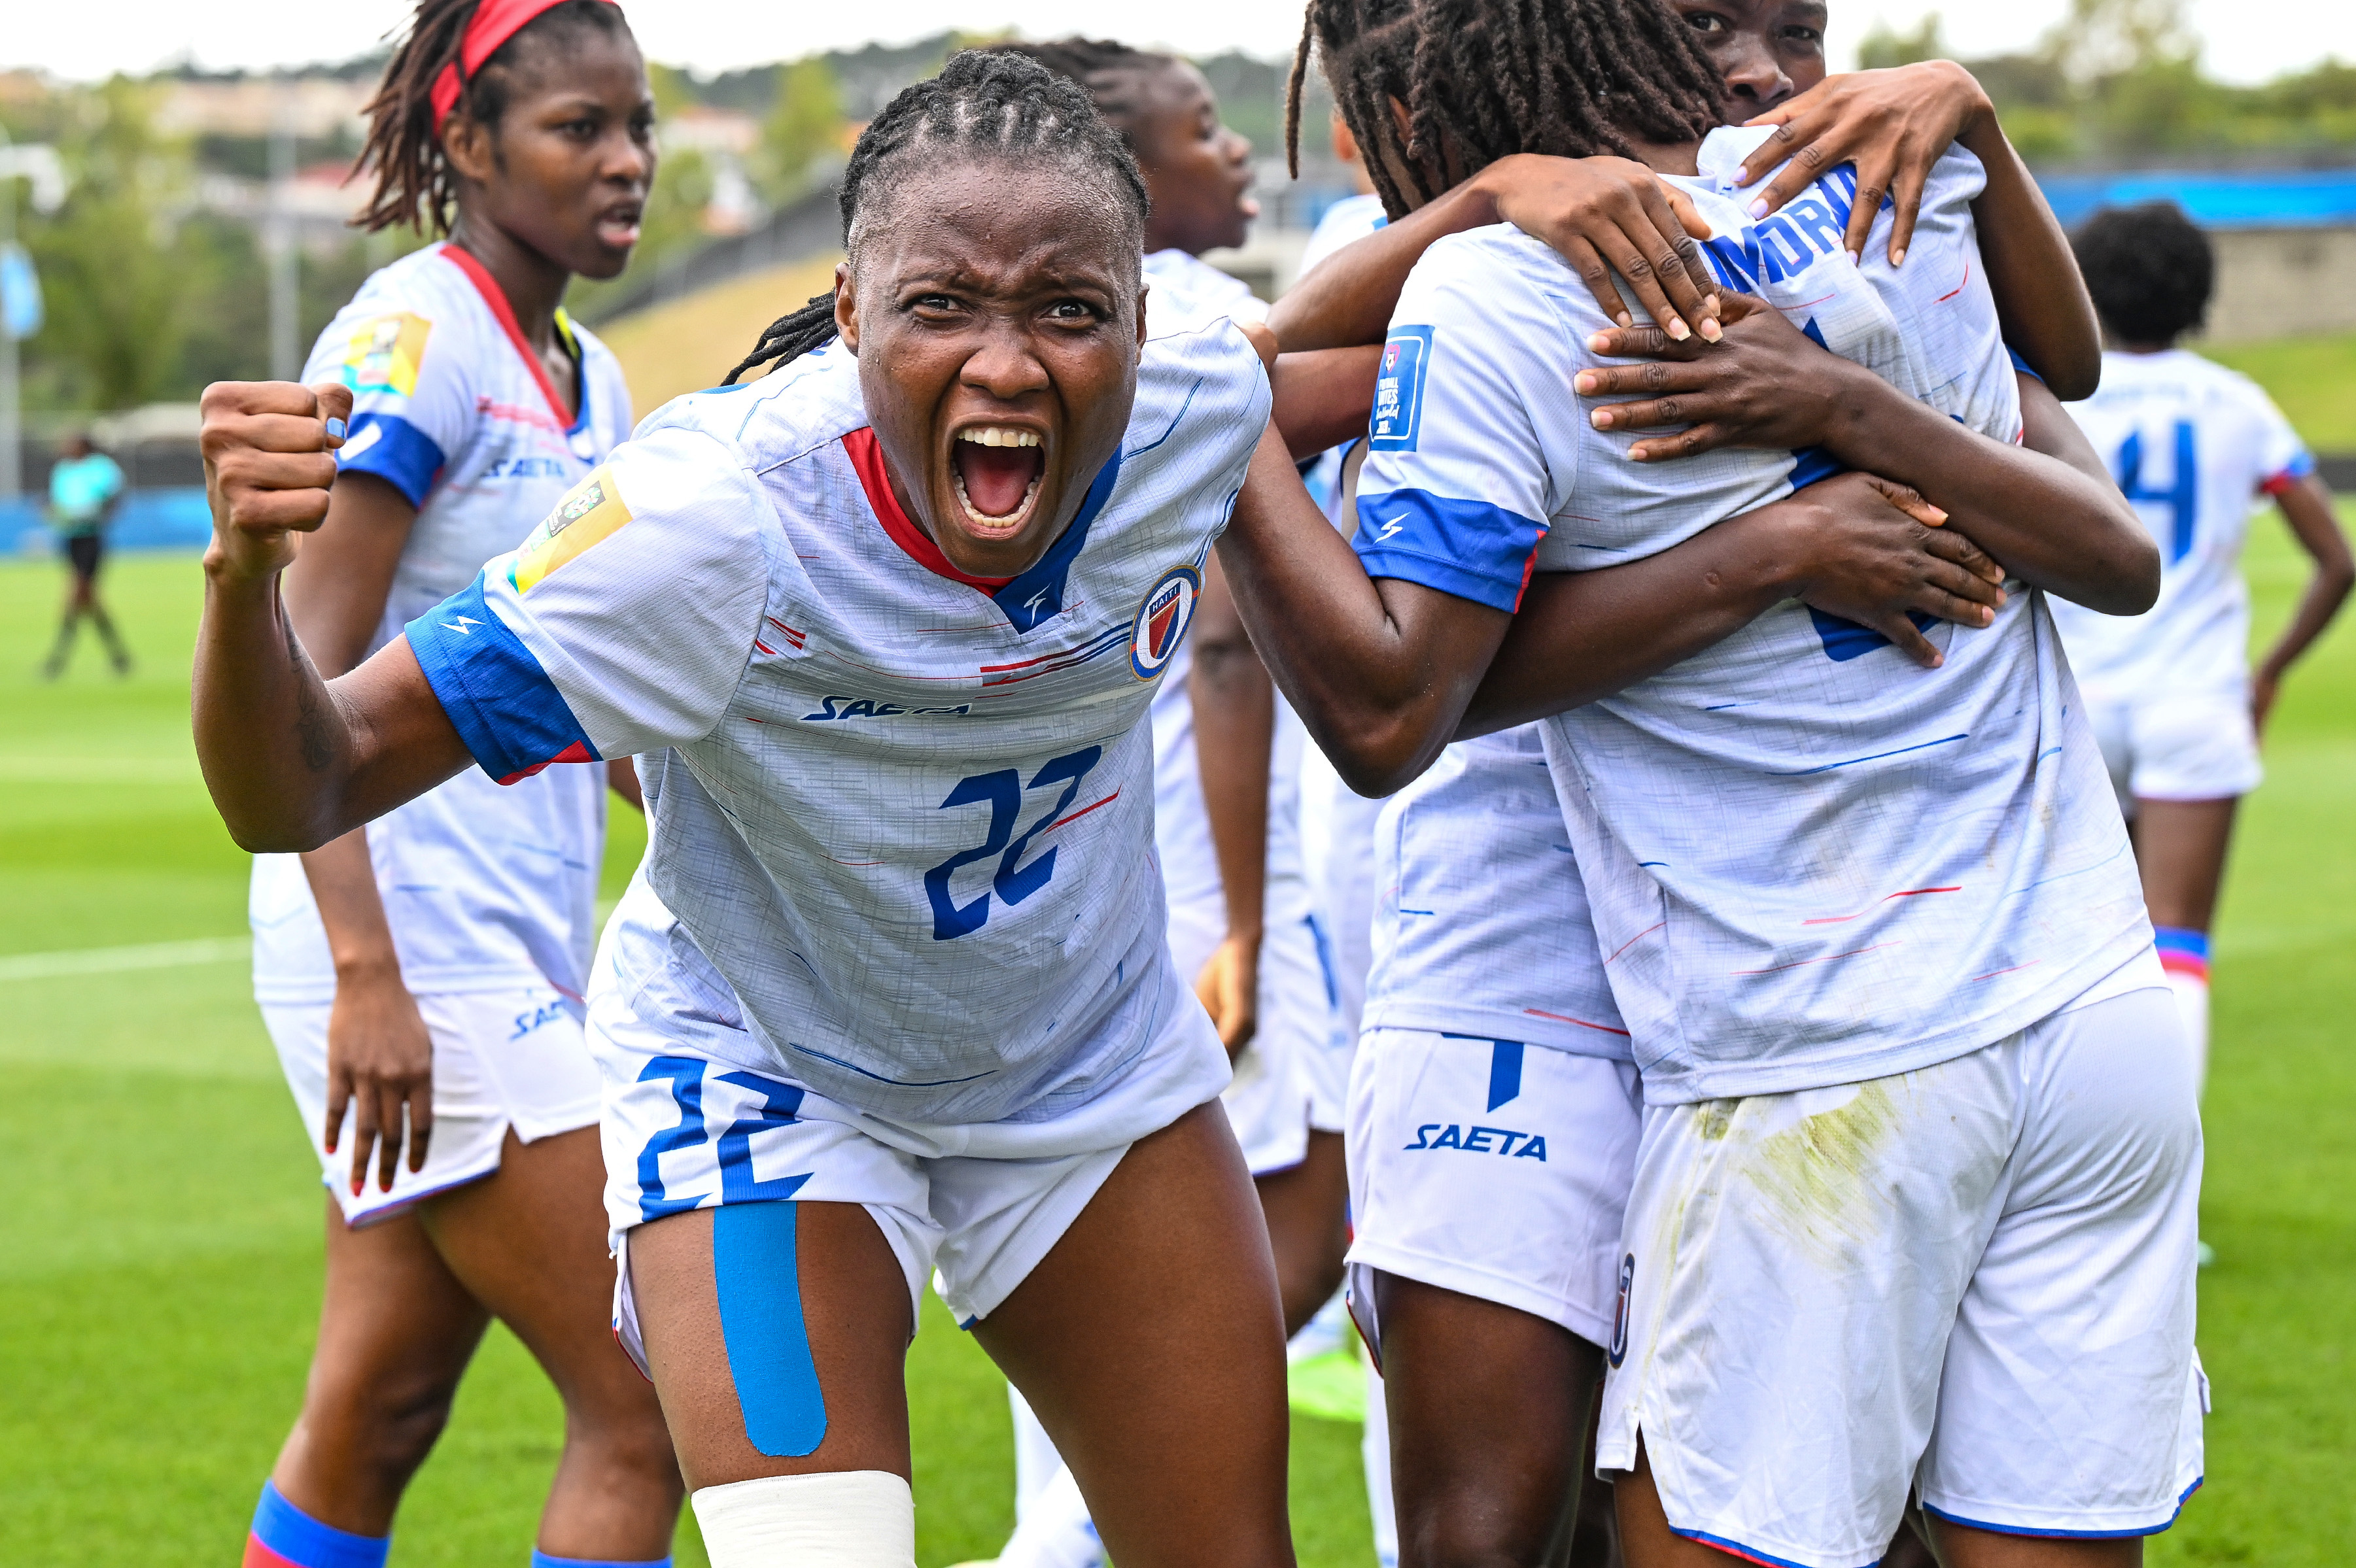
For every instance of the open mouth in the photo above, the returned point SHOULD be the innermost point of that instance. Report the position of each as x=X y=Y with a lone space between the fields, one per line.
x=618 y=227
x=997 y=469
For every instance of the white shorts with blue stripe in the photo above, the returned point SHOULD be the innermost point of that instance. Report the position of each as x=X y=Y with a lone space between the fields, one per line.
x=687 y=1124
x=1975 y=1280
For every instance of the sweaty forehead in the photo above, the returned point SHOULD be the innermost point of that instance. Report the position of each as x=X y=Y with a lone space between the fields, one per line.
x=997 y=219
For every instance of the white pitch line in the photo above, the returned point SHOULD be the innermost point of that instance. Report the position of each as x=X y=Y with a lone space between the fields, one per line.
x=116 y=960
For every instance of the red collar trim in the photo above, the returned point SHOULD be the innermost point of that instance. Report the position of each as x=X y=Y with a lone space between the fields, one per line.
x=867 y=461
x=496 y=298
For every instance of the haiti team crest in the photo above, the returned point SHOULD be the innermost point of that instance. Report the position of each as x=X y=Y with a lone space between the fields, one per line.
x=1162 y=619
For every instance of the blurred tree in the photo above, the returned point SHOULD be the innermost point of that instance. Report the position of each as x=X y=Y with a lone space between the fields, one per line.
x=118 y=296
x=804 y=128
x=1885 y=46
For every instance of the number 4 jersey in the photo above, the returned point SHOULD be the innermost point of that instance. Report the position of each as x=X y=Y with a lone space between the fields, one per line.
x=2194 y=445
x=1810 y=861
x=906 y=817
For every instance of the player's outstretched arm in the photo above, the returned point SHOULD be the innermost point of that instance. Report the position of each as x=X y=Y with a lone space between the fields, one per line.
x=2306 y=507
x=1379 y=670
x=1855 y=546
x=1894 y=126
x=2059 y=525
x=1234 y=705
x=1604 y=215
x=291 y=759
x=1323 y=396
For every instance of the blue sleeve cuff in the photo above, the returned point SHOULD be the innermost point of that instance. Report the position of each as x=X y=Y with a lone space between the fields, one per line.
x=510 y=714
x=2023 y=365
x=393 y=449
x=1470 y=549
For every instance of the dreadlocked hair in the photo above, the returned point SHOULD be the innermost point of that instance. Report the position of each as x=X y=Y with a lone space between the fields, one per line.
x=414 y=183
x=1113 y=73
x=992 y=105
x=1485 y=79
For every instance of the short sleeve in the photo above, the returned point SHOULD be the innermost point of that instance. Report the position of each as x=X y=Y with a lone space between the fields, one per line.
x=2284 y=459
x=412 y=404
x=623 y=624
x=1454 y=494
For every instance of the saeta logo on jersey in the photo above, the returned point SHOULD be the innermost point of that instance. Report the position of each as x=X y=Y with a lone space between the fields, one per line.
x=835 y=708
x=1161 y=621
x=1501 y=1141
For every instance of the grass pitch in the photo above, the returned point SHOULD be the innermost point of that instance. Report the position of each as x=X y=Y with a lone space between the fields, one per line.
x=159 y=1243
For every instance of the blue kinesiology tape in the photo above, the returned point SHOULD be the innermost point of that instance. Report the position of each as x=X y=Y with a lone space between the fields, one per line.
x=542 y=1560
x=755 y=1265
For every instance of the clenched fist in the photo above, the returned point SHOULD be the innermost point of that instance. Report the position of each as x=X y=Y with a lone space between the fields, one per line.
x=270 y=458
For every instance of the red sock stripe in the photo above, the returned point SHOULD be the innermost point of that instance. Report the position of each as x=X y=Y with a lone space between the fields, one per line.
x=2177 y=963
x=259 y=1556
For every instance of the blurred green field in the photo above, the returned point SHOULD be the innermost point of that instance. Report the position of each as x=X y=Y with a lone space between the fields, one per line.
x=159 y=1247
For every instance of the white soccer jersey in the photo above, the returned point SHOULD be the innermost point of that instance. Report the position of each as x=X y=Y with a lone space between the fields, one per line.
x=2194 y=445
x=1352 y=217
x=1809 y=860
x=1183 y=293
x=484 y=888
x=1480 y=921
x=906 y=816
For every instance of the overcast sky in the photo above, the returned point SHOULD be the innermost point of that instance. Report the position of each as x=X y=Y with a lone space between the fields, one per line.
x=91 y=38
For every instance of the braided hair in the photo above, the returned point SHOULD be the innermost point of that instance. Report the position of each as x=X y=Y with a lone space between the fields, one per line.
x=1485 y=79
x=986 y=105
x=414 y=183
x=1113 y=73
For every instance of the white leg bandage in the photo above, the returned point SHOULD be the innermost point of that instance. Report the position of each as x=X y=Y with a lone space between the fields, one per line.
x=853 y=1519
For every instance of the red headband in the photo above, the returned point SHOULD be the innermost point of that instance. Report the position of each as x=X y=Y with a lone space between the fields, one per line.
x=496 y=21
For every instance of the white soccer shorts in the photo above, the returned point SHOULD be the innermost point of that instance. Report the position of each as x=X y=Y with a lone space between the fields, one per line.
x=1975 y=1279
x=501 y=1058
x=974 y=1206
x=2177 y=745
x=1273 y=1101
x=1491 y=1168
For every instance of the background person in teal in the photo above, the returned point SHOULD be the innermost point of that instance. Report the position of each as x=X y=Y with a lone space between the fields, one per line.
x=85 y=487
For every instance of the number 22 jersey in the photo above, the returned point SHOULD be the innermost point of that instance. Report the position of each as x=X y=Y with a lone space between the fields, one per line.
x=1809 y=860
x=906 y=816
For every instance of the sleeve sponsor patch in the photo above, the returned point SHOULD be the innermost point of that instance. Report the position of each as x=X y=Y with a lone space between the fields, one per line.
x=383 y=354
x=1398 y=389
x=593 y=511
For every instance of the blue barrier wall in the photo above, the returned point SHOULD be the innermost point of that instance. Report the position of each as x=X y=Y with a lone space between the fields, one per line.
x=150 y=519
x=2272 y=198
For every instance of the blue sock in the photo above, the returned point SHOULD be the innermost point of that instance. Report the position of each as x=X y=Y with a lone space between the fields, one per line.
x=284 y=1536
x=542 y=1560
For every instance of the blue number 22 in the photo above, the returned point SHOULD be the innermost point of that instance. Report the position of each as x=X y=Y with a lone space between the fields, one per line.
x=1002 y=792
x=2182 y=499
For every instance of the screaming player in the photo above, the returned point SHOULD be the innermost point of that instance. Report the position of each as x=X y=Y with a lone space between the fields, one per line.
x=423 y=976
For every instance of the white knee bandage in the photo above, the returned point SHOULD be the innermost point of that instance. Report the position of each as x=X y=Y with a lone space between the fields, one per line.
x=854 y=1519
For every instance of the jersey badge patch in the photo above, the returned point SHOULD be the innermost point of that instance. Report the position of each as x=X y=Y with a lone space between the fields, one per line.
x=1162 y=619
x=1398 y=389
x=593 y=511
x=383 y=354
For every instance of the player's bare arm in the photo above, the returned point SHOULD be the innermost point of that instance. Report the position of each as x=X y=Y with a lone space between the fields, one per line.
x=1855 y=546
x=1324 y=396
x=2062 y=527
x=1894 y=124
x=380 y=1054
x=1385 y=672
x=1235 y=728
x=2306 y=505
x=293 y=760
x=1606 y=215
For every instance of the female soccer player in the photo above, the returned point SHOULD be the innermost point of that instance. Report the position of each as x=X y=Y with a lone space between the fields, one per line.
x=2171 y=692
x=891 y=990
x=1486 y=949
x=1747 y=824
x=423 y=978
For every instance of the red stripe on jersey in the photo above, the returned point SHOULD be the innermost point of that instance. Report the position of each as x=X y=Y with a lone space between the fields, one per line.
x=867 y=460
x=575 y=753
x=496 y=298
